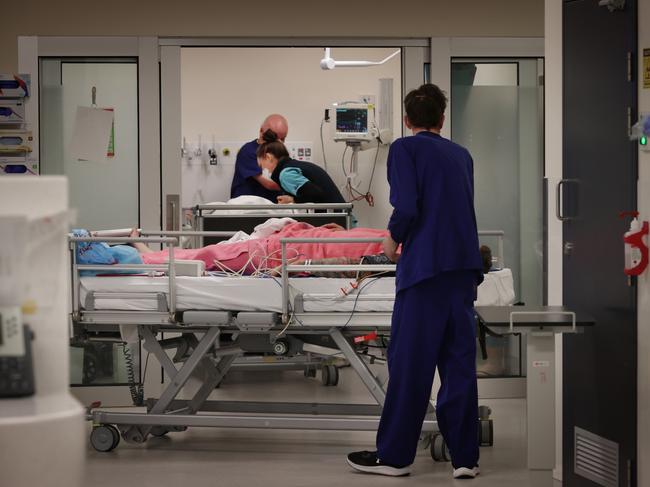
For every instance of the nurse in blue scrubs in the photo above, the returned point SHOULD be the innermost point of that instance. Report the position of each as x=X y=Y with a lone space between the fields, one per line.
x=248 y=178
x=433 y=325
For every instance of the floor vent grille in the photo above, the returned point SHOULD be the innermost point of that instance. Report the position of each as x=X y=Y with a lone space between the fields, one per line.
x=596 y=458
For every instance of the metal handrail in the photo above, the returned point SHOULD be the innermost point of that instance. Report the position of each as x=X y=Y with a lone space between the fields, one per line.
x=187 y=233
x=119 y=240
x=327 y=210
x=291 y=206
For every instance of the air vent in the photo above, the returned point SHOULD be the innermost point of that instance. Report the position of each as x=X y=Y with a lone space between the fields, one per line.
x=596 y=458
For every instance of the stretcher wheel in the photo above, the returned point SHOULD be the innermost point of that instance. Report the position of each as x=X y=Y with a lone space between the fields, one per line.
x=309 y=372
x=280 y=347
x=486 y=432
x=104 y=438
x=133 y=435
x=438 y=448
x=159 y=431
x=330 y=375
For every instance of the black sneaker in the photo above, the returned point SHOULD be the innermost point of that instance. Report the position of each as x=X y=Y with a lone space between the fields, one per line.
x=367 y=461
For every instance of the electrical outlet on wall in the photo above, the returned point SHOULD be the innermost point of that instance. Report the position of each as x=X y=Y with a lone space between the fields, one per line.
x=301 y=151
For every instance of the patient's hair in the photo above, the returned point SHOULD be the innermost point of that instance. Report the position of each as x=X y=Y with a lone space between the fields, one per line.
x=272 y=145
x=486 y=258
x=425 y=106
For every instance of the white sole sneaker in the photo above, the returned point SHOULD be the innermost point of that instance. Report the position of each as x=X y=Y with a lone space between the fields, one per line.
x=381 y=469
x=466 y=473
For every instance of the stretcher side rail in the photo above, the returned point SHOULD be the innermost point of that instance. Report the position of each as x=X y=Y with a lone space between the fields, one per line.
x=169 y=242
x=287 y=267
x=322 y=211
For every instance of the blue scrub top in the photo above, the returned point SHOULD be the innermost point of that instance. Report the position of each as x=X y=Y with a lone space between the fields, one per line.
x=432 y=192
x=246 y=168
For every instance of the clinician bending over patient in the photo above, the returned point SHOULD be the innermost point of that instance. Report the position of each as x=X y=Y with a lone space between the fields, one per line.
x=433 y=324
x=302 y=181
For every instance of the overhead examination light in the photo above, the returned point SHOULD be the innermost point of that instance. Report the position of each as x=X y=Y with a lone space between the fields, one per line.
x=328 y=63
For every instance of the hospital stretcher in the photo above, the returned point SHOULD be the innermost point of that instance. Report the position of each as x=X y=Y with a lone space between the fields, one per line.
x=215 y=320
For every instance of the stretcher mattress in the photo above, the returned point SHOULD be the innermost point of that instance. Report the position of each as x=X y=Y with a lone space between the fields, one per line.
x=265 y=294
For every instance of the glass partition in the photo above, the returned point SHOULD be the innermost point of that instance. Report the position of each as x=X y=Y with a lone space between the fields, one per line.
x=105 y=192
x=497 y=113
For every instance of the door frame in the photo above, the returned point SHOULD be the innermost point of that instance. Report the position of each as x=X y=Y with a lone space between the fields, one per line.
x=415 y=53
x=145 y=49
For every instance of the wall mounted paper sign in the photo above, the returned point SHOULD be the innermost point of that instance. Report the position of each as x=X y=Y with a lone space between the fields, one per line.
x=91 y=135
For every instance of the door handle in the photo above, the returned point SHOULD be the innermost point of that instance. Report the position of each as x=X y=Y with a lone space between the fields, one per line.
x=558 y=200
x=568 y=248
x=173 y=204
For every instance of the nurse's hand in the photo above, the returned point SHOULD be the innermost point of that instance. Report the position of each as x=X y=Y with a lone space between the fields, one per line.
x=390 y=248
x=285 y=199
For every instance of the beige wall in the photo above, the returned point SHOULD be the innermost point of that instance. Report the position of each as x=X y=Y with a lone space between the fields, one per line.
x=379 y=18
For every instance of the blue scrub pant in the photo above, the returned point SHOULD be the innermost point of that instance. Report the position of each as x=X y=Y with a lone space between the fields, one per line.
x=433 y=326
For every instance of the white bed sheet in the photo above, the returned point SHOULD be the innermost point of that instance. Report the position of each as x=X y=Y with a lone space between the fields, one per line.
x=257 y=294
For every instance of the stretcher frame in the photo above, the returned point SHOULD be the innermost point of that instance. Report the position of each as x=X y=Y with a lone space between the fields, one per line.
x=198 y=350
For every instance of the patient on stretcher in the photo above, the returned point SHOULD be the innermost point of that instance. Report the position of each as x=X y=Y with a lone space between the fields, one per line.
x=262 y=255
x=251 y=256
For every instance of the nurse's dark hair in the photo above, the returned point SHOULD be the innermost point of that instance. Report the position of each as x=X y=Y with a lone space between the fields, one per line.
x=271 y=145
x=425 y=106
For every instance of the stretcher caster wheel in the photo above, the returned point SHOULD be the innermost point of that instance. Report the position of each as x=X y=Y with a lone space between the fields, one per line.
x=280 y=347
x=104 y=438
x=133 y=435
x=310 y=372
x=159 y=431
x=486 y=432
x=330 y=375
x=438 y=448
x=425 y=441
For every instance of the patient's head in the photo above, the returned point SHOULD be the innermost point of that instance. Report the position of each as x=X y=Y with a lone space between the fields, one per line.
x=486 y=258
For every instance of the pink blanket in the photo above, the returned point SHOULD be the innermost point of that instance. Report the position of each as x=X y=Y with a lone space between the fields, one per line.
x=267 y=252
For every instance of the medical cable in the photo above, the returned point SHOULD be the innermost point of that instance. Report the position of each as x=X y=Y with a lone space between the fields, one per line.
x=322 y=144
x=343 y=163
x=356 y=301
x=136 y=390
x=368 y=196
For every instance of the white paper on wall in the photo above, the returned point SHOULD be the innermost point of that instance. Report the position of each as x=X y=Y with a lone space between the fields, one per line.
x=91 y=134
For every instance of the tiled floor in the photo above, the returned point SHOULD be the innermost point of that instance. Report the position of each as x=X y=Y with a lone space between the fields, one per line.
x=247 y=457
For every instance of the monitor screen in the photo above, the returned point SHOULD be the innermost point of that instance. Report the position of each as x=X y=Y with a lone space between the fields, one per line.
x=352 y=120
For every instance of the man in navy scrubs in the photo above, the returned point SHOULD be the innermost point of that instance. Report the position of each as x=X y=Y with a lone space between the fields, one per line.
x=433 y=325
x=248 y=178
